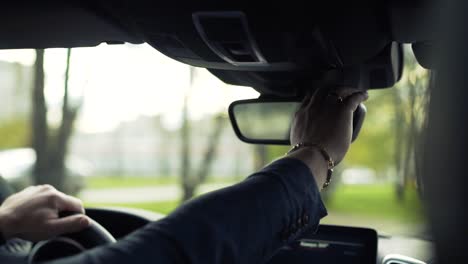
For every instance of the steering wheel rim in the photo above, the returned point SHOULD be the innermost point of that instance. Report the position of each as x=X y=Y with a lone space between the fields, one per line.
x=71 y=244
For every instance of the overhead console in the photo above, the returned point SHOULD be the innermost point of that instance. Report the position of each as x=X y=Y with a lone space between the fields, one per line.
x=229 y=36
x=382 y=71
x=232 y=36
x=272 y=49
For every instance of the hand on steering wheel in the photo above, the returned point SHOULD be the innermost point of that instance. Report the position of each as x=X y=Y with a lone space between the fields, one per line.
x=33 y=214
x=70 y=244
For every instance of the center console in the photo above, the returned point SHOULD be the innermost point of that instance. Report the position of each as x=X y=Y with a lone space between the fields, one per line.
x=331 y=244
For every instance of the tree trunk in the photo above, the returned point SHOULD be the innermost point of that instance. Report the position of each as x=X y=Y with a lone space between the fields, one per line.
x=191 y=186
x=69 y=114
x=421 y=139
x=260 y=156
x=188 y=191
x=190 y=183
x=412 y=136
x=39 y=123
x=399 y=134
x=51 y=150
x=210 y=152
x=187 y=183
x=60 y=148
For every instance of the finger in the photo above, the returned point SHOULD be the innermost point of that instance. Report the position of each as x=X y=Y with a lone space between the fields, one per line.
x=305 y=101
x=345 y=91
x=65 y=225
x=313 y=96
x=69 y=203
x=353 y=101
x=320 y=96
x=334 y=99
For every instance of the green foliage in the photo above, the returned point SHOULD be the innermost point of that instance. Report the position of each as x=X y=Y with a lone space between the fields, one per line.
x=159 y=207
x=394 y=120
x=387 y=121
x=376 y=201
x=374 y=147
x=368 y=202
x=15 y=133
x=112 y=182
x=275 y=152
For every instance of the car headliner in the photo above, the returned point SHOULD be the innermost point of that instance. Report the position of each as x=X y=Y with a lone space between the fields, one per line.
x=342 y=37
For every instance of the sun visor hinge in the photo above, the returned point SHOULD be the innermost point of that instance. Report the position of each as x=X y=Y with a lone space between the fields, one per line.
x=228 y=35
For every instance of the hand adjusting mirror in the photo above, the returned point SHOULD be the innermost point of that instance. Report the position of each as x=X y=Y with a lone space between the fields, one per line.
x=268 y=121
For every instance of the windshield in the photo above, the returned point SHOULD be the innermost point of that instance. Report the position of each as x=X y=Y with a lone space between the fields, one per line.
x=148 y=132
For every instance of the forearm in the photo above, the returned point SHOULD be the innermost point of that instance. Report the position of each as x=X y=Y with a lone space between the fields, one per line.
x=244 y=223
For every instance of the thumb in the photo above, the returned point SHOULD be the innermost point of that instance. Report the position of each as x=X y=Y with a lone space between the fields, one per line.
x=69 y=224
x=353 y=101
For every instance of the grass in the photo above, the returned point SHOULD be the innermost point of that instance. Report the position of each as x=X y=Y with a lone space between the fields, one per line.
x=376 y=201
x=364 y=201
x=160 y=207
x=108 y=182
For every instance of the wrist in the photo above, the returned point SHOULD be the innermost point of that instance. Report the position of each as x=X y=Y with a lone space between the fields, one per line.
x=312 y=157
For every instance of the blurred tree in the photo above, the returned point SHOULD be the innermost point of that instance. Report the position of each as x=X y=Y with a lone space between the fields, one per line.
x=51 y=144
x=275 y=152
x=393 y=127
x=164 y=144
x=374 y=146
x=188 y=184
x=262 y=156
x=410 y=114
x=421 y=137
x=192 y=179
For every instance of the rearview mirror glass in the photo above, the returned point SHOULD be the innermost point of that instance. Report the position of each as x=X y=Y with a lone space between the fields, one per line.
x=263 y=122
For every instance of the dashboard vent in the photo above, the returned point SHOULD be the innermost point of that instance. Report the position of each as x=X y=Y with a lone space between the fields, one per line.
x=400 y=259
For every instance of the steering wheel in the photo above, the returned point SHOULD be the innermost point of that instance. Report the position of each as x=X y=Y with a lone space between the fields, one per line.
x=70 y=244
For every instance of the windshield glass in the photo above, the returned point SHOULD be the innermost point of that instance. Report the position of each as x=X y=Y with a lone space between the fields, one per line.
x=130 y=127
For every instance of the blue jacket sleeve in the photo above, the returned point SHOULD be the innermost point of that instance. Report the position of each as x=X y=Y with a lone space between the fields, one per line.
x=245 y=223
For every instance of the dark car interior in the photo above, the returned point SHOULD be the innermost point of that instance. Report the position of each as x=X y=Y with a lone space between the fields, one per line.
x=281 y=51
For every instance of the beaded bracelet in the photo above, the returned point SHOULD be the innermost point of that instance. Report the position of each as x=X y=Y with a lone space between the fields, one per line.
x=324 y=152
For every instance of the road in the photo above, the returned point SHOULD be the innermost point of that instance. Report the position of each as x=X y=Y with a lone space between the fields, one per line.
x=141 y=194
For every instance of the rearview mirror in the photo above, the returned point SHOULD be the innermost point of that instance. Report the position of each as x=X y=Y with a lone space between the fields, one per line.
x=268 y=121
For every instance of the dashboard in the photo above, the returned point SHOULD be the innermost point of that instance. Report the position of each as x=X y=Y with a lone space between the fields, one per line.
x=343 y=244
x=330 y=244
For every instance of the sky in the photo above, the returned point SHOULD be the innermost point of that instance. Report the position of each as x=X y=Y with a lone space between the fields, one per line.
x=122 y=82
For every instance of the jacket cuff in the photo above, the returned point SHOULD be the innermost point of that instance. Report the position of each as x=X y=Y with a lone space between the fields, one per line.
x=306 y=207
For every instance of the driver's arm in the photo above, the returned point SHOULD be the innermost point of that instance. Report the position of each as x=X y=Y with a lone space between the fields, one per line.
x=247 y=222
